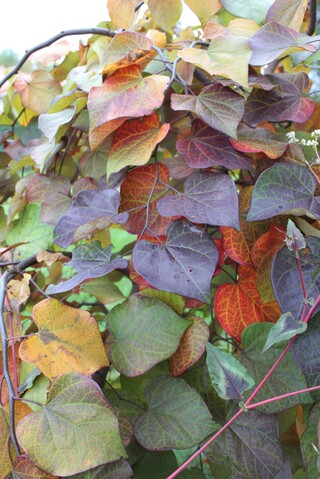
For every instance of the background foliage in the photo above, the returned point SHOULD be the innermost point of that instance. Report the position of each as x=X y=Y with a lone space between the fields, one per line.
x=159 y=229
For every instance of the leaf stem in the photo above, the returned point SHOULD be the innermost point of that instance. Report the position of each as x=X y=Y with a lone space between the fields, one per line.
x=283 y=396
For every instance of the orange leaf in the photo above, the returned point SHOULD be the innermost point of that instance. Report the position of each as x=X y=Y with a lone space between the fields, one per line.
x=68 y=341
x=262 y=255
x=238 y=305
x=191 y=348
x=123 y=95
x=134 y=142
x=135 y=192
x=235 y=245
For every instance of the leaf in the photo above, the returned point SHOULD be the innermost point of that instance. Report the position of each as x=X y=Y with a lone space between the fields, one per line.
x=68 y=340
x=77 y=426
x=281 y=189
x=184 y=265
x=38 y=93
x=204 y=10
x=208 y=198
x=228 y=376
x=119 y=469
x=175 y=301
x=134 y=142
x=90 y=261
x=157 y=465
x=146 y=332
x=49 y=123
x=36 y=236
x=216 y=105
x=93 y=163
x=226 y=55
x=289 y=14
x=124 y=94
x=294 y=238
x=5 y=459
x=177 y=417
x=103 y=289
x=238 y=305
x=139 y=189
x=305 y=351
x=252 y=9
x=284 y=103
x=122 y=12
x=259 y=140
x=207 y=147
x=286 y=281
x=273 y=40
x=165 y=13
x=25 y=469
x=191 y=348
x=262 y=254
x=258 y=363
x=91 y=210
x=309 y=453
x=235 y=245
x=41 y=186
x=285 y=328
x=251 y=446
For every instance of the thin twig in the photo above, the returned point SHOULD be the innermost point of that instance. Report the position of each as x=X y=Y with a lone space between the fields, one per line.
x=313 y=17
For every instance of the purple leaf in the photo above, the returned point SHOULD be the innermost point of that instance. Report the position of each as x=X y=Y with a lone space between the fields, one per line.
x=208 y=147
x=284 y=103
x=294 y=239
x=184 y=265
x=306 y=352
x=208 y=198
x=91 y=261
x=285 y=328
x=286 y=280
x=281 y=188
x=91 y=210
x=272 y=40
x=218 y=106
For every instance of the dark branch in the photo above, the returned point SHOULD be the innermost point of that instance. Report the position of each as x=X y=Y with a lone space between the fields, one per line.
x=313 y=17
x=47 y=43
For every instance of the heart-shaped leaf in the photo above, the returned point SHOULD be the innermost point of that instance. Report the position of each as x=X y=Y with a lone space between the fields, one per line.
x=208 y=198
x=282 y=188
x=146 y=332
x=68 y=340
x=207 y=147
x=228 y=376
x=77 y=425
x=177 y=417
x=184 y=265
x=259 y=140
x=90 y=261
x=285 y=328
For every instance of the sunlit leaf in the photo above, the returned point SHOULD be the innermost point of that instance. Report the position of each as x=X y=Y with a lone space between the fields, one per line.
x=227 y=56
x=38 y=93
x=286 y=102
x=124 y=94
x=146 y=331
x=238 y=305
x=134 y=142
x=49 y=123
x=218 y=106
x=77 y=425
x=290 y=14
x=165 y=13
x=122 y=13
x=183 y=265
x=204 y=10
x=253 y=9
x=259 y=140
x=235 y=245
x=207 y=147
x=227 y=375
x=191 y=347
x=284 y=188
x=208 y=198
x=90 y=211
x=68 y=340
x=177 y=417
x=5 y=462
x=90 y=261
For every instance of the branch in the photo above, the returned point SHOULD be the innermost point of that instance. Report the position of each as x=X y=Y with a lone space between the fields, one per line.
x=313 y=17
x=47 y=43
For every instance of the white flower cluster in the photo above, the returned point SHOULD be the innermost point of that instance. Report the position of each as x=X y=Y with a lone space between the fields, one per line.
x=315 y=134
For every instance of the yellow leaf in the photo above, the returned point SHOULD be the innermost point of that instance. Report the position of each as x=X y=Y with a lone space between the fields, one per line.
x=204 y=9
x=68 y=340
x=122 y=12
x=165 y=13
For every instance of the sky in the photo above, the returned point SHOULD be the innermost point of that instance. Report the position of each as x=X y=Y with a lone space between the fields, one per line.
x=25 y=23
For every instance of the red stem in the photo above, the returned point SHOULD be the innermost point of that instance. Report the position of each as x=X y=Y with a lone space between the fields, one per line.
x=283 y=396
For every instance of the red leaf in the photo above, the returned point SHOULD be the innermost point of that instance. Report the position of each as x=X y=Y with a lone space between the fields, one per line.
x=259 y=140
x=238 y=305
x=235 y=245
x=139 y=189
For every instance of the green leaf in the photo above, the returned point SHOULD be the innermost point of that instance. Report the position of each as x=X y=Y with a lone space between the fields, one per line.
x=158 y=464
x=119 y=469
x=282 y=380
x=251 y=9
x=29 y=229
x=146 y=332
x=285 y=328
x=75 y=431
x=177 y=417
x=228 y=376
x=165 y=13
x=309 y=439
